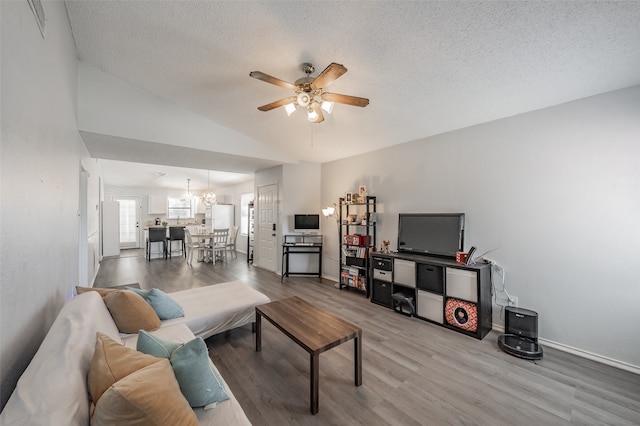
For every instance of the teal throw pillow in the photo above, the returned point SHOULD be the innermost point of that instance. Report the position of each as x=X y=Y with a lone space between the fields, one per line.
x=199 y=382
x=161 y=302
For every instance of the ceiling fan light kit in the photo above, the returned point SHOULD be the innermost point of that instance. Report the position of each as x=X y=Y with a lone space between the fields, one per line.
x=289 y=108
x=327 y=106
x=304 y=99
x=309 y=92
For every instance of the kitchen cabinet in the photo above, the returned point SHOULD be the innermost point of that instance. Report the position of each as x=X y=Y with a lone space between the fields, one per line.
x=157 y=204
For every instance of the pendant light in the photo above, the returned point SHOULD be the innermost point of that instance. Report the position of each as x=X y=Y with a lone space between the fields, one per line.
x=189 y=194
x=208 y=198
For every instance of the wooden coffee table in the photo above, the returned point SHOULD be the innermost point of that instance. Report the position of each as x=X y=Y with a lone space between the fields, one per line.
x=315 y=330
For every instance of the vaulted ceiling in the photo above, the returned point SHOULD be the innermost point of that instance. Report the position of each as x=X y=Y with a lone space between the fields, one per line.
x=428 y=67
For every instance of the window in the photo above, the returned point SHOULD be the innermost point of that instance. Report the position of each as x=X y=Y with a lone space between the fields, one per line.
x=180 y=208
x=244 y=212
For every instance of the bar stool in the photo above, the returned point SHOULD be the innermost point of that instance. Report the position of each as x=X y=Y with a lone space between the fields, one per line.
x=157 y=235
x=176 y=233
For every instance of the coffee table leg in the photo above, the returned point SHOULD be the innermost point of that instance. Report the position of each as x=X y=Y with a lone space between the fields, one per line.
x=315 y=378
x=357 y=359
x=258 y=332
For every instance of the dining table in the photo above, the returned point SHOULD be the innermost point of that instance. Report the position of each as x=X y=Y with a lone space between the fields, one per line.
x=203 y=237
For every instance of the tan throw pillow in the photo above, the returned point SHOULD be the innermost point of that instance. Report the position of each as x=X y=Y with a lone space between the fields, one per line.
x=111 y=362
x=101 y=291
x=149 y=396
x=131 y=312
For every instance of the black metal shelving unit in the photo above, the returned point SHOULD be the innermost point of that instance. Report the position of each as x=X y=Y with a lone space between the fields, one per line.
x=357 y=241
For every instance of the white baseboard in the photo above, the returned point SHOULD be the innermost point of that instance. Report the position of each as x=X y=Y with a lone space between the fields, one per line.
x=583 y=354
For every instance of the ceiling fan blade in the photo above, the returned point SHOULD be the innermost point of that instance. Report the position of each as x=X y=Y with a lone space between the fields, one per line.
x=345 y=99
x=269 y=79
x=276 y=104
x=318 y=110
x=330 y=74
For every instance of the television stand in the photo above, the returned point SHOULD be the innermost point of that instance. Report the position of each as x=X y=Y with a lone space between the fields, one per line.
x=441 y=291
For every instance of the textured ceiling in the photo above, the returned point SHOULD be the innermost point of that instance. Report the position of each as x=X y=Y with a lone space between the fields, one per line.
x=427 y=67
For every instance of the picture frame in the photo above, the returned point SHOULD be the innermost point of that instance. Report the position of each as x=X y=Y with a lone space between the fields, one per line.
x=348 y=198
x=362 y=191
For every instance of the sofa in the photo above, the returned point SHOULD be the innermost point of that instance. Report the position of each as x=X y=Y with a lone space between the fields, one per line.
x=56 y=388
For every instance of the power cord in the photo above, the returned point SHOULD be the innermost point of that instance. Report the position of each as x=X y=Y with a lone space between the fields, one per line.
x=498 y=270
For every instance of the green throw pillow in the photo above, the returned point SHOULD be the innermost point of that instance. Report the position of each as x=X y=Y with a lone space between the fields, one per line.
x=199 y=382
x=161 y=302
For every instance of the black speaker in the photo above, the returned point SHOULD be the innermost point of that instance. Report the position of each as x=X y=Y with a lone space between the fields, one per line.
x=521 y=322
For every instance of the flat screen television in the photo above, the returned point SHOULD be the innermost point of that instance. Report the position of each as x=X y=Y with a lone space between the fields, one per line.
x=432 y=234
x=306 y=223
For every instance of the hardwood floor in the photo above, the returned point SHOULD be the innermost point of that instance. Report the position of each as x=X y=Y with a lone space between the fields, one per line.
x=414 y=373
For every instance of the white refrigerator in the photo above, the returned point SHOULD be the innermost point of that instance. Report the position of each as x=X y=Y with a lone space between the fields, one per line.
x=110 y=228
x=219 y=216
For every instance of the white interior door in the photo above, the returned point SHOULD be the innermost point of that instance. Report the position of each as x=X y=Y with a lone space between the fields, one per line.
x=267 y=230
x=129 y=221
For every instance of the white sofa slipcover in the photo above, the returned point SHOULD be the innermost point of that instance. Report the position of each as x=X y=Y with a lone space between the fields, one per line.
x=53 y=388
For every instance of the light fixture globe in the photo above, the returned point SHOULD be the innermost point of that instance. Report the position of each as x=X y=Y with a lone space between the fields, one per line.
x=208 y=199
x=312 y=115
x=290 y=108
x=304 y=99
x=329 y=211
x=327 y=106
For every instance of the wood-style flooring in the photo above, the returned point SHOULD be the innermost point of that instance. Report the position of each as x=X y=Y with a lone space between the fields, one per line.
x=414 y=372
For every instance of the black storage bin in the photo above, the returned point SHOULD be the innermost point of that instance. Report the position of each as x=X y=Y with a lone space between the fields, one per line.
x=381 y=263
x=356 y=261
x=430 y=278
x=381 y=293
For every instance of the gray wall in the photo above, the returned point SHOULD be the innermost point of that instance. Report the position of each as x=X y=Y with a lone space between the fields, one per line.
x=557 y=190
x=43 y=245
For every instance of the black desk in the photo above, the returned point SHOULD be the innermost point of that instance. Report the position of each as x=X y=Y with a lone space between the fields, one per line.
x=301 y=244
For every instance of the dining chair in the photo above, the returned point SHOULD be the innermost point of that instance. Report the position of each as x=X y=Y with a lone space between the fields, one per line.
x=176 y=233
x=218 y=244
x=157 y=235
x=233 y=236
x=191 y=245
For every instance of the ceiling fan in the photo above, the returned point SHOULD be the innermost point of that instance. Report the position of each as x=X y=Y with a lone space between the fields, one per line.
x=309 y=92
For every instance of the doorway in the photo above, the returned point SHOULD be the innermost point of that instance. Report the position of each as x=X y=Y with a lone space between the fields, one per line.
x=267 y=226
x=129 y=215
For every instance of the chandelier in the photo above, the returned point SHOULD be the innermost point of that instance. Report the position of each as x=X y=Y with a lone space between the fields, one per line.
x=208 y=198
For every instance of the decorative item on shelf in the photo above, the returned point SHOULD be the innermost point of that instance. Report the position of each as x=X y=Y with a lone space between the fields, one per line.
x=362 y=192
x=348 y=198
x=165 y=224
x=461 y=257
x=356 y=240
x=385 y=246
x=373 y=217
